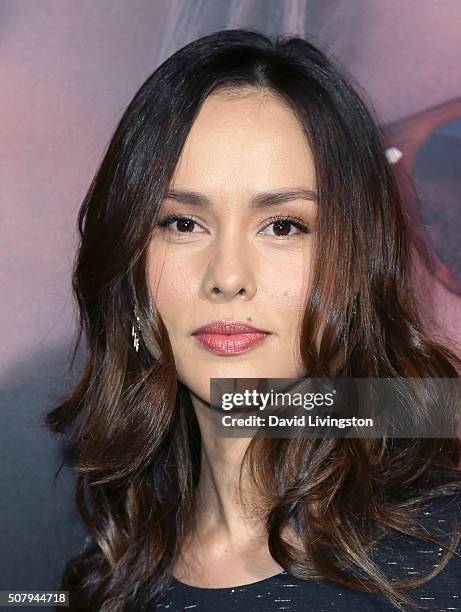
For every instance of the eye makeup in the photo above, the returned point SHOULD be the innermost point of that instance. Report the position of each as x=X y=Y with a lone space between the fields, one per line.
x=189 y=221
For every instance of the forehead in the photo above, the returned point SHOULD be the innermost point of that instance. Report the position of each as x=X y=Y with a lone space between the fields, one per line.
x=245 y=141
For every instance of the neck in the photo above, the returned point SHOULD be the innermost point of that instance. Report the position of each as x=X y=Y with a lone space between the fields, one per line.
x=222 y=508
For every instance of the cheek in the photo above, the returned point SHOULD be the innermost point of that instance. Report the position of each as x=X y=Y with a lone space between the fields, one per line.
x=163 y=282
x=172 y=282
x=285 y=285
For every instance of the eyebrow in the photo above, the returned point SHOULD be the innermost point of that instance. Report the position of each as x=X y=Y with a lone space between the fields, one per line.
x=259 y=200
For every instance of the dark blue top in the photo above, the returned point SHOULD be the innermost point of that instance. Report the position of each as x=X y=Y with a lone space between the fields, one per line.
x=398 y=555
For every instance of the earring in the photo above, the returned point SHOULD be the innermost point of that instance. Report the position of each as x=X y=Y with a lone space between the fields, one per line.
x=133 y=329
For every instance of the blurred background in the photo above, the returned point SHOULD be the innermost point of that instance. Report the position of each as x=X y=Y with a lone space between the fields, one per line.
x=68 y=70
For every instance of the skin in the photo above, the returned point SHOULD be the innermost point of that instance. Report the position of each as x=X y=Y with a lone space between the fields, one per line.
x=241 y=144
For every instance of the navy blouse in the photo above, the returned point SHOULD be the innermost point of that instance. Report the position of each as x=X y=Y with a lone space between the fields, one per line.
x=400 y=556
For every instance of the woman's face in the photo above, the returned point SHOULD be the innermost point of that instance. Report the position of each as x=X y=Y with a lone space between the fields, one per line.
x=232 y=262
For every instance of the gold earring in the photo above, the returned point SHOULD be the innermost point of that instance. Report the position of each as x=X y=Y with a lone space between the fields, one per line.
x=133 y=329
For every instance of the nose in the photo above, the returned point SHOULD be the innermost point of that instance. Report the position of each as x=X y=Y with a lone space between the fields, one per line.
x=230 y=270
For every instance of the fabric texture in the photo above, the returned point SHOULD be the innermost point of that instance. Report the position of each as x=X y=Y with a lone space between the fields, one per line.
x=397 y=555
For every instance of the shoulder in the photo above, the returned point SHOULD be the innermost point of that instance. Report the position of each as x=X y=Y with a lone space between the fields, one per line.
x=401 y=557
x=442 y=515
x=440 y=518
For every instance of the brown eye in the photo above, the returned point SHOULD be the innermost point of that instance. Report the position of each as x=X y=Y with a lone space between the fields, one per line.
x=282 y=226
x=185 y=224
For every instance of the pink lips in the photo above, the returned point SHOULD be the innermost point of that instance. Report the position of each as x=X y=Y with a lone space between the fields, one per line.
x=229 y=337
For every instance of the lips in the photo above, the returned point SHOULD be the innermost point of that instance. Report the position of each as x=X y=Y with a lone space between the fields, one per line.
x=228 y=328
x=229 y=337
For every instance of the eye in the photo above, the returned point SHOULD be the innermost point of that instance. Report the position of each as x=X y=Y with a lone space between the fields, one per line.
x=185 y=224
x=282 y=225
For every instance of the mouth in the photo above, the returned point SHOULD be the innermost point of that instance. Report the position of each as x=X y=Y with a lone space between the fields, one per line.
x=229 y=337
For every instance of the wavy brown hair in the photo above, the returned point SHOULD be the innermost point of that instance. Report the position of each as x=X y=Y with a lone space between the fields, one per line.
x=129 y=425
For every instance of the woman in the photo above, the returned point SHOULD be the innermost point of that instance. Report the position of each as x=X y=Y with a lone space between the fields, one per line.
x=247 y=182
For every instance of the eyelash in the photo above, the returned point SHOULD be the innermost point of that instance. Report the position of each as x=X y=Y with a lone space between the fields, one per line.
x=298 y=223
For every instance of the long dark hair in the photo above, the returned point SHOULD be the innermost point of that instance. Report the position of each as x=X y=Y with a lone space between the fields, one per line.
x=129 y=424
